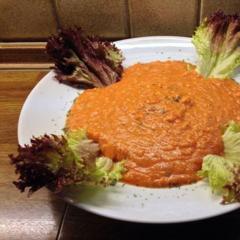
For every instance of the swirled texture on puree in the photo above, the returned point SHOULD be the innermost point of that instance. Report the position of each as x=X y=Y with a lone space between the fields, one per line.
x=162 y=117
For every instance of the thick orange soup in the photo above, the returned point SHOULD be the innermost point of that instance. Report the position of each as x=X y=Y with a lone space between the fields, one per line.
x=162 y=117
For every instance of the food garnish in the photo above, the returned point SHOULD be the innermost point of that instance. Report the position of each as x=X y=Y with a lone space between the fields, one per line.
x=223 y=172
x=56 y=161
x=217 y=42
x=84 y=61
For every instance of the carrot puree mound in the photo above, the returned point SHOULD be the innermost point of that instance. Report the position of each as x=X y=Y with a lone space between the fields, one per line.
x=161 y=117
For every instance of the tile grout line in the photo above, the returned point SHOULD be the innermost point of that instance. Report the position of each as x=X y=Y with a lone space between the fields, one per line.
x=55 y=12
x=199 y=6
x=62 y=221
x=128 y=20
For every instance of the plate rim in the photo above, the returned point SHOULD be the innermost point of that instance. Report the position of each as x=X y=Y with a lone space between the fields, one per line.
x=88 y=208
x=120 y=218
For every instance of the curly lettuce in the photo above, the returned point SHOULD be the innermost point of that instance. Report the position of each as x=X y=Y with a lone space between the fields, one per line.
x=223 y=172
x=217 y=42
x=84 y=61
x=56 y=161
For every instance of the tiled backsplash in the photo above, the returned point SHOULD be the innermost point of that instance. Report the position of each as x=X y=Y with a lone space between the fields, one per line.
x=35 y=20
x=163 y=17
x=26 y=20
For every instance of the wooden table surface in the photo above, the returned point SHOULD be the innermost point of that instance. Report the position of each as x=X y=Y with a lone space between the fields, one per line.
x=43 y=216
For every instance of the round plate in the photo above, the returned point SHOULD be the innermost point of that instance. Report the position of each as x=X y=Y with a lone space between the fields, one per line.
x=45 y=111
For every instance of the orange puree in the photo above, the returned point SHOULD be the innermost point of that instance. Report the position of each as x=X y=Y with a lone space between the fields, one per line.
x=161 y=117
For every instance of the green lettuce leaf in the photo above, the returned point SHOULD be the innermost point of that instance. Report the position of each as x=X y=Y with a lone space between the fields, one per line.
x=217 y=42
x=223 y=172
x=56 y=161
x=231 y=140
x=216 y=170
x=106 y=171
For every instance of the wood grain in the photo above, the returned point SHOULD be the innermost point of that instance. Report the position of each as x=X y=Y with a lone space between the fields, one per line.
x=21 y=217
x=28 y=53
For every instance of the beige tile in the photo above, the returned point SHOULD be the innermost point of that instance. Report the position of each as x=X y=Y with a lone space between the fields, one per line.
x=106 y=18
x=228 y=6
x=28 y=20
x=163 y=17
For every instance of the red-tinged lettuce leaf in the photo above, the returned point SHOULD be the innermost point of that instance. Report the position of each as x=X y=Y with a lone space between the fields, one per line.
x=233 y=188
x=217 y=41
x=56 y=161
x=48 y=161
x=83 y=61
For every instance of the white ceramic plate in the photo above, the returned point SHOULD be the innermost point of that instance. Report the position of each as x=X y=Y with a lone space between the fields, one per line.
x=45 y=111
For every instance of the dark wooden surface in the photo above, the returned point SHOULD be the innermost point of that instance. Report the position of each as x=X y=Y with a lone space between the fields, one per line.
x=43 y=216
x=21 y=217
x=79 y=224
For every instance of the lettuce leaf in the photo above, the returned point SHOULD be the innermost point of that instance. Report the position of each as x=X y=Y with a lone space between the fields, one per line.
x=231 y=140
x=215 y=168
x=84 y=61
x=223 y=172
x=106 y=171
x=56 y=161
x=217 y=42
